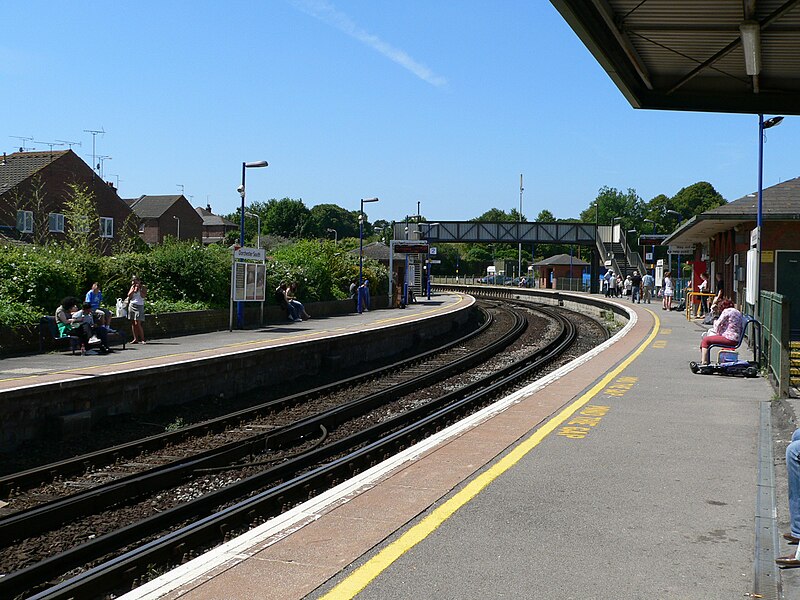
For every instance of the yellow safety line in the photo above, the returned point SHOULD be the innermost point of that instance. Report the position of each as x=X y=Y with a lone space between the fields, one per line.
x=362 y=576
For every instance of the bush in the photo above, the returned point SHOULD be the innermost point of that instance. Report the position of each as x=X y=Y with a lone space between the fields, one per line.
x=322 y=269
x=179 y=275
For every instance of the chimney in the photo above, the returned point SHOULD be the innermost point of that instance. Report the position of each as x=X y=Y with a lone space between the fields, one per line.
x=4 y=159
x=110 y=184
x=208 y=206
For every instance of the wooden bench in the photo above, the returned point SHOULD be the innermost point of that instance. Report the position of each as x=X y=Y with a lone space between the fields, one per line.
x=48 y=329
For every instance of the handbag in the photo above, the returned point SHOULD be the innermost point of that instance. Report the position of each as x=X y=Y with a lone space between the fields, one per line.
x=122 y=307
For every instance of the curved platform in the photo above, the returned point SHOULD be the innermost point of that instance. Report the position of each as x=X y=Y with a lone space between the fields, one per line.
x=58 y=394
x=619 y=475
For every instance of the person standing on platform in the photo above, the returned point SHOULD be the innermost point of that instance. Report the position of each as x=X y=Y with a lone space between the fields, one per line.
x=612 y=285
x=363 y=294
x=793 y=477
x=636 y=288
x=648 y=283
x=669 y=291
x=136 y=296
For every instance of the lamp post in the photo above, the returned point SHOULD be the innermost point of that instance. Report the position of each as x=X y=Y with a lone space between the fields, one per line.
x=361 y=251
x=245 y=166
x=258 y=233
x=762 y=125
x=178 y=219
x=428 y=272
x=653 y=248
x=519 y=255
x=679 y=216
x=335 y=235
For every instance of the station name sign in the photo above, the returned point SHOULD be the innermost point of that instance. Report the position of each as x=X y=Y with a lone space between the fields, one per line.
x=250 y=254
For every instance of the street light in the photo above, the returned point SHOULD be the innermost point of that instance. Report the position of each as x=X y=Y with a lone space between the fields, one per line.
x=335 y=235
x=361 y=250
x=258 y=234
x=679 y=216
x=241 y=190
x=428 y=272
x=762 y=125
x=654 y=244
x=178 y=219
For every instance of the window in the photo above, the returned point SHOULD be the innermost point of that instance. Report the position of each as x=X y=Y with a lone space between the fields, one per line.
x=106 y=227
x=56 y=221
x=25 y=221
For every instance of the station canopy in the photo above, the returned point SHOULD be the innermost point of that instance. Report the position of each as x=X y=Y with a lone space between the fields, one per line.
x=736 y=56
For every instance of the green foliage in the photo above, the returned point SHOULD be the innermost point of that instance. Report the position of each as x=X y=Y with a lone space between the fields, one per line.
x=322 y=270
x=611 y=203
x=330 y=216
x=14 y=314
x=286 y=217
x=36 y=278
x=82 y=228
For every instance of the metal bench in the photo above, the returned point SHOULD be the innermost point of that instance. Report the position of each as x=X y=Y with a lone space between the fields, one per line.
x=48 y=329
x=756 y=339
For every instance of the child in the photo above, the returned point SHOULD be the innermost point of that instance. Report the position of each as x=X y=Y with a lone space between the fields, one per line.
x=86 y=320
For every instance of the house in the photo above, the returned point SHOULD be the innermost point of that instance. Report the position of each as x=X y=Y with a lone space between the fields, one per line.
x=160 y=216
x=36 y=188
x=214 y=226
x=722 y=238
x=561 y=271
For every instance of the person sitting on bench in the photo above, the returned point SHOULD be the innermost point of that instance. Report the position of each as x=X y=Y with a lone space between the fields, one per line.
x=67 y=326
x=725 y=332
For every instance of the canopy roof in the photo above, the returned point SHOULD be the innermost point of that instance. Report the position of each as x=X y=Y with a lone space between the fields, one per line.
x=688 y=55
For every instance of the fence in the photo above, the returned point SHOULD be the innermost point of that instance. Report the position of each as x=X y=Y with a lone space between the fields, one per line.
x=774 y=317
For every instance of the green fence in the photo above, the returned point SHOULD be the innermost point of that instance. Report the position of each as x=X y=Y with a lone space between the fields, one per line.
x=774 y=317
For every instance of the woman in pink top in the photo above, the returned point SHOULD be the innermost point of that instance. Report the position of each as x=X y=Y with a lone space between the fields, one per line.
x=725 y=331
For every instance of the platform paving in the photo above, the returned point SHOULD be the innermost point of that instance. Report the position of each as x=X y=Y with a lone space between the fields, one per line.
x=62 y=365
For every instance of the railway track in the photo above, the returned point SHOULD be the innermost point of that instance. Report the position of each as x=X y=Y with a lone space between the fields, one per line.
x=272 y=488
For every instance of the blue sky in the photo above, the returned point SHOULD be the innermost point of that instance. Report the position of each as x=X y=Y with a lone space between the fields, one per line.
x=444 y=103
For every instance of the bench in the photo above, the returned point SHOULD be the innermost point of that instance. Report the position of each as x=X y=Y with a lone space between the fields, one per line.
x=756 y=339
x=48 y=329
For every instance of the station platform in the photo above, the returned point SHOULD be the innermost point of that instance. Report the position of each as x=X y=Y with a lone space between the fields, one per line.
x=620 y=475
x=58 y=394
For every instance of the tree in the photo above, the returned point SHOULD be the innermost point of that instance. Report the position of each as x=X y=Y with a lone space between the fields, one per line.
x=82 y=229
x=128 y=239
x=696 y=198
x=286 y=217
x=331 y=216
x=611 y=203
x=545 y=216
x=495 y=214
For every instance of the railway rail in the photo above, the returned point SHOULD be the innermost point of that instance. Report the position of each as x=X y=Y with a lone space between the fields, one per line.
x=206 y=520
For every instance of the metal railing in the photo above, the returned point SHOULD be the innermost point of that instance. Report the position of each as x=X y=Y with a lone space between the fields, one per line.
x=774 y=317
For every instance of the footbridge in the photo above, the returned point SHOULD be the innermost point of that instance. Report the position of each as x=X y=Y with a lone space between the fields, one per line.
x=608 y=244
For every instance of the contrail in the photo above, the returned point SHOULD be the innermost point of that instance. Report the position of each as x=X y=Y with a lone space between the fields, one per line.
x=327 y=13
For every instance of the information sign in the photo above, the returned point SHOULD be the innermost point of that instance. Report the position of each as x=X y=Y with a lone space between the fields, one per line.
x=432 y=251
x=249 y=280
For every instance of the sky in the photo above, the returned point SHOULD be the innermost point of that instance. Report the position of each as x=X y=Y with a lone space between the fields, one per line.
x=440 y=103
